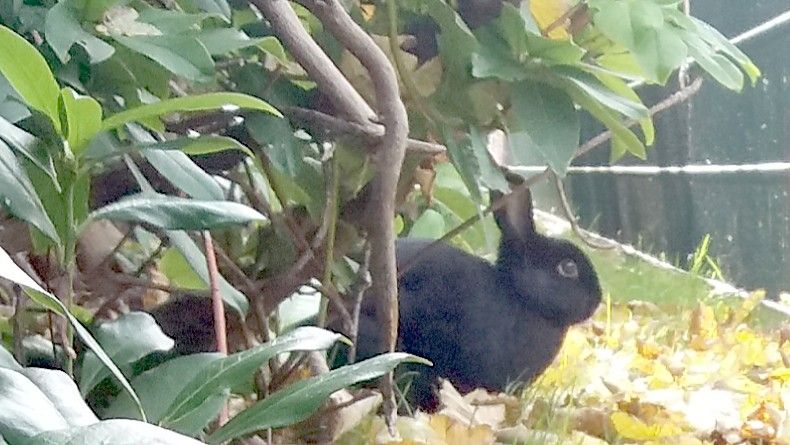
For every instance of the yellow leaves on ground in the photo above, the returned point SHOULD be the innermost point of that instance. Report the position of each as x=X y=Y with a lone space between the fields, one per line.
x=630 y=427
x=635 y=374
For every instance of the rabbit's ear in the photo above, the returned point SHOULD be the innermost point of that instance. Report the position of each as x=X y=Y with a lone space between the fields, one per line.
x=515 y=217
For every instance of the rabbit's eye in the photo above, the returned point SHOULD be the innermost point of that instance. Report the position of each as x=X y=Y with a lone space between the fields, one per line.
x=568 y=268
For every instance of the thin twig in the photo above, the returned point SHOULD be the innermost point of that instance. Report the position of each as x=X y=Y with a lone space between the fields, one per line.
x=357 y=292
x=220 y=329
x=566 y=208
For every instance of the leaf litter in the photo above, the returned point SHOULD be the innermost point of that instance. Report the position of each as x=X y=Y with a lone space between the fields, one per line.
x=636 y=374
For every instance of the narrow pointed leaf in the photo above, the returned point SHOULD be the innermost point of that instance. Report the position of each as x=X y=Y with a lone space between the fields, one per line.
x=201 y=102
x=238 y=367
x=173 y=213
x=10 y=271
x=300 y=399
x=18 y=195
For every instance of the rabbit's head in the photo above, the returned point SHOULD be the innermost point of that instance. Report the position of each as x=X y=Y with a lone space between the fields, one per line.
x=551 y=277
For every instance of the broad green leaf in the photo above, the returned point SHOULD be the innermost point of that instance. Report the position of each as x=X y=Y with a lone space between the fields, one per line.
x=201 y=102
x=24 y=410
x=173 y=22
x=465 y=163
x=174 y=213
x=428 y=225
x=10 y=271
x=493 y=59
x=115 y=432
x=623 y=139
x=720 y=43
x=227 y=372
x=184 y=56
x=19 y=197
x=32 y=79
x=158 y=387
x=220 y=41
x=300 y=399
x=7 y=360
x=60 y=389
x=183 y=173
x=197 y=262
x=178 y=270
x=220 y=7
x=30 y=147
x=639 y=25
x=62 y=30
x=620 y=87
x=548 y=116
x=277 y=139
x=598 y=91
x=456 y=42
x=490 y=175
x=272 y=46
x=82 y=119
x=718 y=66
x=125 y=340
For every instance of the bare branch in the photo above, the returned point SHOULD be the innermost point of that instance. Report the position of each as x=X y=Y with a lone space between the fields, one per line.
x=332 y=126
x=312 y=58
x=390 y=155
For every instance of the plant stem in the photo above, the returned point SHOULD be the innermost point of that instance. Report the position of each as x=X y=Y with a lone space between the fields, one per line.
x=329 y=250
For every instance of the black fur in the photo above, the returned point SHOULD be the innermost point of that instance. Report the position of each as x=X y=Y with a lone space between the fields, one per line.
x=485 y=325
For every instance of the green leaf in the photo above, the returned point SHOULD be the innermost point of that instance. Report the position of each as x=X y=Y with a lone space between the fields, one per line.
x=456 y=42
x=201 y=145
x=464 y=161
x=718 y=66
x=183 y=173
x=621 y=88
x=82 y=119
x=277 y=139
x=174 y=213
x=548 y=116
x=599 y=92
x=24 y=410
x=197 y=262
x=493 y=59
x=31 y=79
x=428 y=225
x=231 y=370
x=10 y=271
x=60 y=389
x=624 y=140
x=220 y=41
x=201 y=102
x=272 y=46
x=125 y=340
x=184 y=56
x=62 y=30
x=300 y=399
x=639 y=25
x=30 y=147
x=490 y=175
x=116 y=432
x=19 y=197
x=174 y=22
x=720 y=43
x=158 y=387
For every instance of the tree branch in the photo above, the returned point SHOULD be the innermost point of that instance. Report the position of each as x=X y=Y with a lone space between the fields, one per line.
x=389 y=157
x=312 y=58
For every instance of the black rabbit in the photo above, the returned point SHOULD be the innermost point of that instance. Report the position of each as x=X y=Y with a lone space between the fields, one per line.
x=485 y=325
